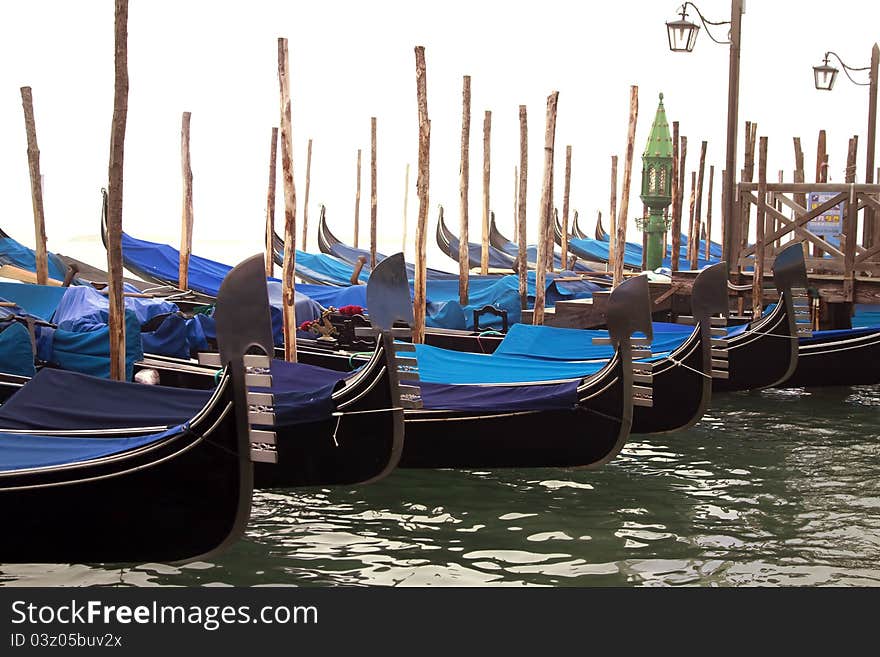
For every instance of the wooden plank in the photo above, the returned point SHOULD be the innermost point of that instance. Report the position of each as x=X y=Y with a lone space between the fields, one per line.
x=788 y=225
x=801 y=221
x=374 y=201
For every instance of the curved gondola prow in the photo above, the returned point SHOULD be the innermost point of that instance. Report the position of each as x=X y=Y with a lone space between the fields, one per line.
x=326 y=239
x=629 y=311
x=388 y=297
x=790 y=279
x=600 y=233
x=496 y=239
x=104 y=216
x=575 y=227
x=557 y=232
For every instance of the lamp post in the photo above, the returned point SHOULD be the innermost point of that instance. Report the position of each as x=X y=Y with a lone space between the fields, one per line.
x=824 y=77
x=656 y=185
x=682 y=38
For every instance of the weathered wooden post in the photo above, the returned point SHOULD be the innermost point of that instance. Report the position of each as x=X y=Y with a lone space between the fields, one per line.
x=612 y=216
x=464 y=266
x=694 y=222
x=33 y=153
x=270 y=205
x=698 y=211
x=114 y=195
x=288 y=269
x=357 y=201
x=306 y=199
x=422 y=186
x=565 y=199
x=798 y=175
x=709 y=210
x=484 y=251
x=522 y=266
x=405 y=205
x=186 y=220
x=546 y=205
x=851 y=154
x=748 y=174
x=373 y=199
x=676 y=237
x=675 y=227
x=758 y=280
x=627 y=178
x=821 y=158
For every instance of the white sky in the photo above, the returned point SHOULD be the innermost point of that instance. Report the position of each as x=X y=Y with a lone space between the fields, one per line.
x=354 y=60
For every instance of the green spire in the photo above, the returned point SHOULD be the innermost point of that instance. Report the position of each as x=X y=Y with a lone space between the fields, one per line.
x=660 y=141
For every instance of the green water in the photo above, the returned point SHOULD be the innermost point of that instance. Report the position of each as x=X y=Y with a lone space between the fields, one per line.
x=780 y=487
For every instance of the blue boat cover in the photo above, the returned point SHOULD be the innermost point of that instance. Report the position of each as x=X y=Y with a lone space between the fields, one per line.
x=350 y=254
x=38 y=300
x=324 y=269
x=22 y=452
x=18 y=255
x=551 y=343
x=303 y=393
x=632 y=256
x=56 y=399
x=16 y=352
x=866 y=315
x=497 y=258
x=550 y=396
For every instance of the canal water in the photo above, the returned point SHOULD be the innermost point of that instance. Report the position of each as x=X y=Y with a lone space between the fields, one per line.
x=778 y=487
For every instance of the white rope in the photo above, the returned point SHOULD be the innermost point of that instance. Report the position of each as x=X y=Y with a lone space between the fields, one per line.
x=339 y=414
x=678 y=363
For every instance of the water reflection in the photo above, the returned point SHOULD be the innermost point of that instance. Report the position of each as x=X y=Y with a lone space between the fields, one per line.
x=771 y=488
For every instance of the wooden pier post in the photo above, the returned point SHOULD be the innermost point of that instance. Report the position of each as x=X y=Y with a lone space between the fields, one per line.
x=306 y=198
x=693 y=223
x=709 y=210
x=676 y=237
x=373 y=199
x=821 y=158
x=33 y=154
x=357 y=201
x=116 y=320
x=484 y=250
x=270 y=205
x=546 y=206
x=405 y=205
x=748 y=175
x=565 y=199
x=798 y=175
x=186 y=219
x=627 y=178
x=850 y=226
x=675 y=226
x=522 y=266
x=422 y=185
x=464 y=266
x=612 y=217
x=851 y=154
x=288 y=269
x=758 y=280
x=698 y=212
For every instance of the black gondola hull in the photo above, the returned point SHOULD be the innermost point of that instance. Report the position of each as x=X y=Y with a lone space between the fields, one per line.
x=837 y=361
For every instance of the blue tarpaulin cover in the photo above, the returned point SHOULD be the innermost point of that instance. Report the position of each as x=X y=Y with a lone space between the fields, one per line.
x=598 y=250
x=16 y=352
x=38 y=300
x=302 y=392
x=440 y=396
x=18 y=255
x=22 y=452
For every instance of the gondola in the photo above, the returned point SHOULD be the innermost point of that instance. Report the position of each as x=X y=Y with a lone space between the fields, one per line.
x=843 y=357
x=498 y=241
x=600 y=233
x=576 y=229
x=764 y=353
x=70 y=493
x=448 y=243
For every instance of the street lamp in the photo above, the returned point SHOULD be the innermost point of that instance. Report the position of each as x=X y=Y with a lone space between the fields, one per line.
x=682 y=37
x=824 y=77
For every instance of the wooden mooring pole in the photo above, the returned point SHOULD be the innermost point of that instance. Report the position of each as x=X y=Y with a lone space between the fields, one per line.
x=484 y=249
x=306 y=197
x=698 y=212
x=758 y=280
x=464 y=266
x=627 y=178
x=675 y=228
x=357 y=201
x=546 y=208
x=565 y=201
x=33 y=155
x=270 y=205
x=373 y=199
x=116 y=319
x=612 y=217
x=186 y=218
x=288 y=269
x=522 y=266
x=709 y=210
x=423 y=188
x=693 y=222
